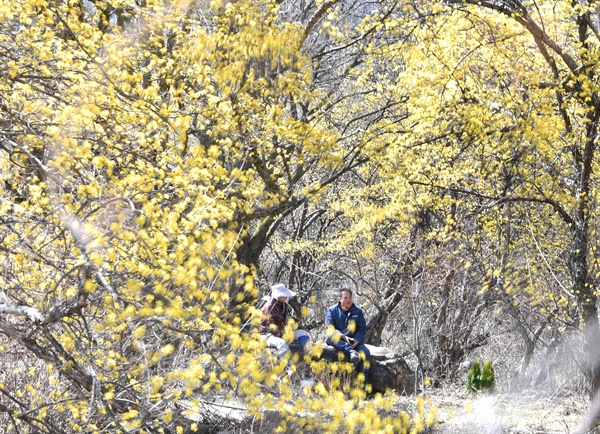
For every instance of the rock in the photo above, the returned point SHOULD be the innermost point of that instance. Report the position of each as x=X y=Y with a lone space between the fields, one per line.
x=388 y=369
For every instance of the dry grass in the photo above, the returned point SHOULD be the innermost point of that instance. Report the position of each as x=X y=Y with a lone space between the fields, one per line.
x=461 y=413
x=523 y=413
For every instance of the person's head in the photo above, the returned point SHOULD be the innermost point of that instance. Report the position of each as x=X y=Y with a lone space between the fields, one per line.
x=346 y=298
x=281 y=293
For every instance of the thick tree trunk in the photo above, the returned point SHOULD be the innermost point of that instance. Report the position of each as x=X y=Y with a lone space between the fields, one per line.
x=584 y=284
x=584 y=288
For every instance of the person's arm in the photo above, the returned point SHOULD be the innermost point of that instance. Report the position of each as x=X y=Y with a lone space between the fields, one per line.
x=265 y=325
x=272 y=322
x=279 y=318
x=361 y=328
x=329 y=318
x=330 y=321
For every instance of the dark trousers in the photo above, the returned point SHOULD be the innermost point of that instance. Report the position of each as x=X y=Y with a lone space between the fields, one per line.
x=345 y=347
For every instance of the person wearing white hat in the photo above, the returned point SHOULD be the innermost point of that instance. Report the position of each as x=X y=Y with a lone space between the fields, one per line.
x=277 y=312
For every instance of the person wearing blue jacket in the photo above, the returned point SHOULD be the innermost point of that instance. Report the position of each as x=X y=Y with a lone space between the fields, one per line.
x=346 y=329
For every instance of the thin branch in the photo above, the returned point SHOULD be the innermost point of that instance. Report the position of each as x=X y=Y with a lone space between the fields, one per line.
x=502 y=200
x=548 y=265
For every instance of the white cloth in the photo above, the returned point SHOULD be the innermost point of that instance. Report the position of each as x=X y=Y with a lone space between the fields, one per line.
x=278 y=345
x=299 y=333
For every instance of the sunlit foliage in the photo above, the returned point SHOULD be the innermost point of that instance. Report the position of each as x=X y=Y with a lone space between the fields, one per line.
x=483 y=198
x=142 y=144
x=436 y=155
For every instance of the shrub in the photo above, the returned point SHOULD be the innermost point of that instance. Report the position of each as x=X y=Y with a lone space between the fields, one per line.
x=479 y=379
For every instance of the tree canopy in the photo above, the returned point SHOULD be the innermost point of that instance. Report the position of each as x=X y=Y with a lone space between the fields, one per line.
x=164 y=162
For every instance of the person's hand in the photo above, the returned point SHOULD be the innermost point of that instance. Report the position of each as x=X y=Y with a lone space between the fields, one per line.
x=352 y=342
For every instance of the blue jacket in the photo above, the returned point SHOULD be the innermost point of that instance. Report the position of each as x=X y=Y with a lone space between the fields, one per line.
x=341 y=320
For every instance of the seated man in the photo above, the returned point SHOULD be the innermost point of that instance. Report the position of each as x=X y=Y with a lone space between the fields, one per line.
x=277 y=312
x=346 y=328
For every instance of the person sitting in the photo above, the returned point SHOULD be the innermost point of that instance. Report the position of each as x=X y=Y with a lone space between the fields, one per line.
x=346 y=329
x=277 y=312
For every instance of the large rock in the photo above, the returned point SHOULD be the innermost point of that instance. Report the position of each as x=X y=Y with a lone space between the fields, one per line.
x=388 y=369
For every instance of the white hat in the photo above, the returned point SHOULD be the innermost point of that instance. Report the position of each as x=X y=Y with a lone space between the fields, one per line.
x=280 y=290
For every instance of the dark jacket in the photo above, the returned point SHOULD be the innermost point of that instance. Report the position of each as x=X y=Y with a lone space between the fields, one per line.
x=276 y=313
x=341 y=320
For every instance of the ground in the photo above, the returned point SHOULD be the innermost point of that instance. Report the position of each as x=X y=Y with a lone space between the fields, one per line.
x=524 y=413
x=457 y=413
